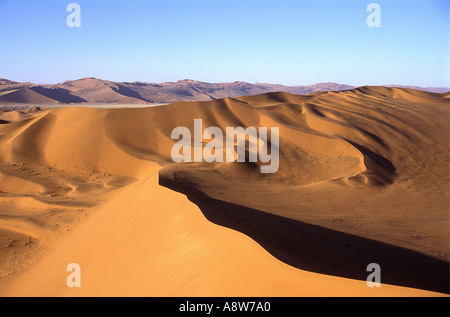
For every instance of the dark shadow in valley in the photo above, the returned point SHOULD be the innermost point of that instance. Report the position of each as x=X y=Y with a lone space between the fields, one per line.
x=318 y=249
x=58 y=94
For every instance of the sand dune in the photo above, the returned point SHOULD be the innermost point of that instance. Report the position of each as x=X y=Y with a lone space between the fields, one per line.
x=9 y=115
x=93 y=91
x=26 y=95
x=363 y=178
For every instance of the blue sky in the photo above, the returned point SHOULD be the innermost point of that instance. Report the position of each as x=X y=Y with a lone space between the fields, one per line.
x=289 y=42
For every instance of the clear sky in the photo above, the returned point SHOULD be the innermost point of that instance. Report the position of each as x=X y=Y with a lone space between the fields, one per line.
x=291 y=42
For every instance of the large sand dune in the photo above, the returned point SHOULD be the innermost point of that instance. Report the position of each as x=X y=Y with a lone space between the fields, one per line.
x=93 y=91
x=363 y=178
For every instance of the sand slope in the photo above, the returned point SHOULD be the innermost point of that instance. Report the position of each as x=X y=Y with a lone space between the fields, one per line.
x=150 y=241
x=363 y=178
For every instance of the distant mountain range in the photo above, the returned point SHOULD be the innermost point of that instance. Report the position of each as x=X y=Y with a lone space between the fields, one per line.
x=93 y=90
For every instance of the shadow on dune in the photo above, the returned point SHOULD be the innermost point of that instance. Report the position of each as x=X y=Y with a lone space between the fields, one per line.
x=321 y=250
x=58 y=94
x=128 y=92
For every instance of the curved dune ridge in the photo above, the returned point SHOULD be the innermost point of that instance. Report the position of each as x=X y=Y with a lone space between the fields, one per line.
x=363 y=178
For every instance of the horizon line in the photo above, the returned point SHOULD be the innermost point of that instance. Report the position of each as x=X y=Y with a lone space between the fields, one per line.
x=224 y=82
